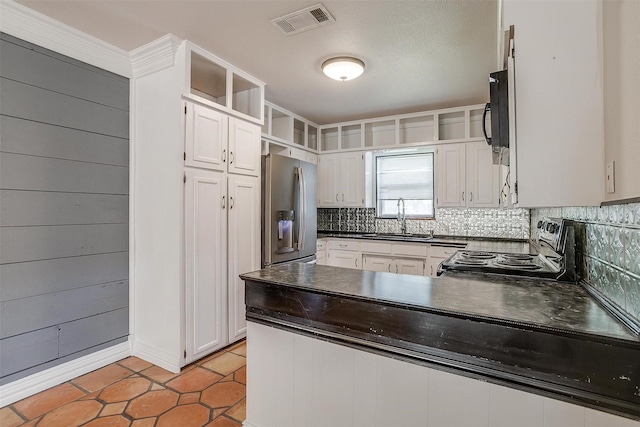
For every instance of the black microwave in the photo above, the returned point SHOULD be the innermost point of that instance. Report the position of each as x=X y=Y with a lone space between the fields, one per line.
x=499 y=108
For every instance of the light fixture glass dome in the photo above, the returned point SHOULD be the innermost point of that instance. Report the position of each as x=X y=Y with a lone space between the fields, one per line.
x=343 y=68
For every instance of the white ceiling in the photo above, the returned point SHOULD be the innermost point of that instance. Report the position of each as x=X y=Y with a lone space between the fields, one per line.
x=419 y=55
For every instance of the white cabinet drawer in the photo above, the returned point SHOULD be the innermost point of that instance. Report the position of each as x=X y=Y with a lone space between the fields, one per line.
x=442 y=251
x=321 y=244
x=371 y=246
x=344 y=245
x=414 y=250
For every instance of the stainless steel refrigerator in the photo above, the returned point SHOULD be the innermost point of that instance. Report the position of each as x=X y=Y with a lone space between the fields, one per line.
x=289 y=203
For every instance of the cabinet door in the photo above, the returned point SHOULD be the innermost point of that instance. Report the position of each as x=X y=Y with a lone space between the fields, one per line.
x=351 y=180
x=321 y=257
x=451 y=176
x=432 y=266
x=205 y=262
x=205 y=137
x=409 y=266
x=244 y=246
x=482 y=176
x=346 y=259
x=376 y=263
x=328 y=167
x=244 y=147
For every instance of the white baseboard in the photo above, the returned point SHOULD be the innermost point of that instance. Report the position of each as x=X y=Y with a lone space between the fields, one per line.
x=28 y=386
x=156 y=356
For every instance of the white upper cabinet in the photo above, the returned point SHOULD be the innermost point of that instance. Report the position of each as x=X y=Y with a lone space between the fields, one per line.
x=559 y=101
x=244 y=147
x=218 y=142
x=206 y=137
x=466 y=176
x=482 y=176
x=341 y=180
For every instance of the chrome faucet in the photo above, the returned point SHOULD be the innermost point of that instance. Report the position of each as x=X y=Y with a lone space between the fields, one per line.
x=402 y=218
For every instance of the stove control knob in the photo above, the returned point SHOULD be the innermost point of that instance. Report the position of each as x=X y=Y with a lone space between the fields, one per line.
x=553 y=228
x=539 y=224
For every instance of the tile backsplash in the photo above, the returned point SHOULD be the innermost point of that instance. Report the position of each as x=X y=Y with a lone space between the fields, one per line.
x=493 y=223
x=608 y=247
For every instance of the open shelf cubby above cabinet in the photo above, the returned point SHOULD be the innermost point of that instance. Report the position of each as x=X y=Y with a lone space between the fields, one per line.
x=285 y=127
x=460 y=124
x=214 y=82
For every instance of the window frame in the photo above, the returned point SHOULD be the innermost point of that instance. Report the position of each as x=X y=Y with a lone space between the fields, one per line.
x=403 y=152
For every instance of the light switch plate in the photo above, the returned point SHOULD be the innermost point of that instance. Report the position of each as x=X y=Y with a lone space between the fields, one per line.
x=611 y=177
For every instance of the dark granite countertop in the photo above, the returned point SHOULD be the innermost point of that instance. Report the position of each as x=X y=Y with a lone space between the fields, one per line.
x=540 y=336
x=474 y=244
x=544 y=303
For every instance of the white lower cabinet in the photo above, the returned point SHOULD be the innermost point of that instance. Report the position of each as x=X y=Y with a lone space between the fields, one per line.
x=205 y=269
x=346 y=259
x=437 y=254
x=243 y=246
x=321 y=252
x=222 y=240
x=393 y=265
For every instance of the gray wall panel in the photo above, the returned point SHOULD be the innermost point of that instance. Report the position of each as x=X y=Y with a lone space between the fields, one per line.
x=26 y=65
x=64 y=210
x=26 y=350
x=91 y=331
x=22 y=244
x=41 y=105
x=27 y=279
x=37 y=368
x=20 y=172
x=60 y=57
x=20 y=208
x=22 y=136
x=29 y=314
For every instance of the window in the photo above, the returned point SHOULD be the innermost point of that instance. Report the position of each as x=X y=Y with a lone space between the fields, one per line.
x=406 y=175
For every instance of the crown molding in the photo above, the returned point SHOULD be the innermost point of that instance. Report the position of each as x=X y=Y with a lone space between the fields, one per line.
x=34 y=27
x=155 y=56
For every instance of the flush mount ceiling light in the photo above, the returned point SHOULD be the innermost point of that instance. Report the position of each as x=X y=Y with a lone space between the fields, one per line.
x=343 y=68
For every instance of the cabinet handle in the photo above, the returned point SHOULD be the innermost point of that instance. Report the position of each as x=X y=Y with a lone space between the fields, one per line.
x=432 y=270
x=337 y=197
x=223 y=202
x=342 y=245
x=389 y=268
x=356 y=262
x=471 y=196
x=396 y=268
x=231 y=203
x=224 y=156
x=463 y=196
x=230 y=157
x=343 y=197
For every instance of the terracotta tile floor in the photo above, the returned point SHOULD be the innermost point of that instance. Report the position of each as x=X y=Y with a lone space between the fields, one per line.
x=134 y=393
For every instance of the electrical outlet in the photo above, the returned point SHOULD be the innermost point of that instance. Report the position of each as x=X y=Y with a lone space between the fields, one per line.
x=611 y=177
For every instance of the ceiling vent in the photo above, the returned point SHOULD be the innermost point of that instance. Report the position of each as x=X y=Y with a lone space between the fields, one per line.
x=303 y=20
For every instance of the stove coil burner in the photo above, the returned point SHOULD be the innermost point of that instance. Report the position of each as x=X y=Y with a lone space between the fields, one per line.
x=518 y=257
x=478 y=255
x=517 y=265
x=470 y=261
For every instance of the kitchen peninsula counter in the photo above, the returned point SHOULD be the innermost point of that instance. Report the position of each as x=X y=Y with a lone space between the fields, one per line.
x=544 y=337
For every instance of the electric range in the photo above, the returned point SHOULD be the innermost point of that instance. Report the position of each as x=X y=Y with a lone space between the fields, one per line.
x=554 y=257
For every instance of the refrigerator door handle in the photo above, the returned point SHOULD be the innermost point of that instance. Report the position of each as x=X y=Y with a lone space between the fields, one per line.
x=302 y=209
